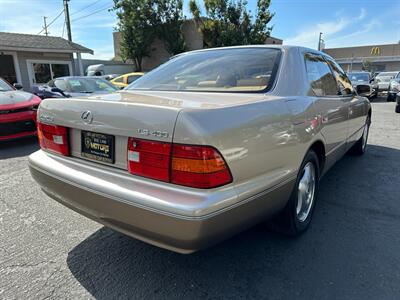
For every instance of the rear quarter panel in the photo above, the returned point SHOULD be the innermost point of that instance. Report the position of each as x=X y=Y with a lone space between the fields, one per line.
x=261 y=142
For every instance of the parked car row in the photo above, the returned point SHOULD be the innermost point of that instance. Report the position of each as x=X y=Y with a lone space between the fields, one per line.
x=388 y=82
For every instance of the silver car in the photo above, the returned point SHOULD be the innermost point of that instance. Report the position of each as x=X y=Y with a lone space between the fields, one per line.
x=383 y=79
x=393 y=89
x=208 y=144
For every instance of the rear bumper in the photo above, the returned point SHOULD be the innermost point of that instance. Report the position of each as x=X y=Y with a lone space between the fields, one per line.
x=205 y=220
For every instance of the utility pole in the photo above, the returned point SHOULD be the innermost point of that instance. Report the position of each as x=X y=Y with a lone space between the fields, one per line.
x=319 y=41
x=351 y=62
x=45 y=26
x=67 y=20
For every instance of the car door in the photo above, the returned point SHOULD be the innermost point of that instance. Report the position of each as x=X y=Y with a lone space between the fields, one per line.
x=357 y=107
x=330 y=107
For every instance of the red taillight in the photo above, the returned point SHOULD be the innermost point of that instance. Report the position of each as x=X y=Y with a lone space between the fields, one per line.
x=198 y=166
x=194 y=166
x=53 y=138
x=149 y=158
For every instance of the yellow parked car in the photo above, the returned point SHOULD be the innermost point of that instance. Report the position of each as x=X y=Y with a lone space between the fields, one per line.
x=126 y=79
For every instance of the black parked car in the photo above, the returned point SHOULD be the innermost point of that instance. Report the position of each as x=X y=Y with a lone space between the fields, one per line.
x=363 y=78
x=397 y=109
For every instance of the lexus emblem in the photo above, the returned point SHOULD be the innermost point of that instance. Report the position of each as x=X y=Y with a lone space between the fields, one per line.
x=87 y=117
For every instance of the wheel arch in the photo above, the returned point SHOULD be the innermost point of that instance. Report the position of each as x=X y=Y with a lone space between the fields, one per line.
x=319 y=148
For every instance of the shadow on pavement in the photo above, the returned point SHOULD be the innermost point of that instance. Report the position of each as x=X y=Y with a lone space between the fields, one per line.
x=350 y=249
x=19 y=147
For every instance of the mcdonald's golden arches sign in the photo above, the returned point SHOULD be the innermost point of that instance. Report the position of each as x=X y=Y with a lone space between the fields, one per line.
x=375 y=51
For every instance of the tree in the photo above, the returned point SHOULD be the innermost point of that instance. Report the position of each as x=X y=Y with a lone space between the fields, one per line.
x=137 y=20
x=229 y=23
x=170 y=21
x=368 y=66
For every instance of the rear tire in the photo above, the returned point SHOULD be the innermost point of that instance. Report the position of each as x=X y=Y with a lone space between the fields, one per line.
x=360 y=146
x=297 y=214
x=397 y=109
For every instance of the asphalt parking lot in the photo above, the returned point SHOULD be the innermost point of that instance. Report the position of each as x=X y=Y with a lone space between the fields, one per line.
x=351 y=251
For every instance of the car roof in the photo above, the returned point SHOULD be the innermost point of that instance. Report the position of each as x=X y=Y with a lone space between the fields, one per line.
x=80 y=77
x=388 y=72
x=274 y=46
x=266 y=46
x=130 y=74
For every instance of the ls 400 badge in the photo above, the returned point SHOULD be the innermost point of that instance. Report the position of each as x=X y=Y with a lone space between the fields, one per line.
x=156 y=133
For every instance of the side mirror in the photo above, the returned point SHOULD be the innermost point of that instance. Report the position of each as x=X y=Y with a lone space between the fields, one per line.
x=363 y=90
x=17 y=86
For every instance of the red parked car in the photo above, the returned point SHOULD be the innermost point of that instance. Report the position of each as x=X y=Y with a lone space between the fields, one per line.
x=17 y=112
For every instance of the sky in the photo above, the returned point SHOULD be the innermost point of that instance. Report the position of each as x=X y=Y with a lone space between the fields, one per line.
x=344 y=23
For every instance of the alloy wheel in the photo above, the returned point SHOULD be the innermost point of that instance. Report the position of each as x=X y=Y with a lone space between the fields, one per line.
x=306 y=192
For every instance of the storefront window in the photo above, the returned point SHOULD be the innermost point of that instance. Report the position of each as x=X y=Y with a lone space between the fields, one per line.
x=44 y=72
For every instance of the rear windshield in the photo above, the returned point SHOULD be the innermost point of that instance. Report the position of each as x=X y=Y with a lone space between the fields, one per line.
x=386 y=76
x=88 y=85
x=219 y=70
x=358 y=77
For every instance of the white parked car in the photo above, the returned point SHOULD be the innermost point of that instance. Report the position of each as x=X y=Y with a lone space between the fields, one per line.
x=383 y=79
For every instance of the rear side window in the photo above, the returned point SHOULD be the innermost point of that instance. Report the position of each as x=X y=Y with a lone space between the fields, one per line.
x=320 y=76
x=343 y=81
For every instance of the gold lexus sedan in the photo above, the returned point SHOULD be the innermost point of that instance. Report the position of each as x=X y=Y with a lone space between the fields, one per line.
x=205 y=146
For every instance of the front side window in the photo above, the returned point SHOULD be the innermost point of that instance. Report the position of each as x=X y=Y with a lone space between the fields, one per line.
x=319 y=76
x=345 y=86
x=217 y=70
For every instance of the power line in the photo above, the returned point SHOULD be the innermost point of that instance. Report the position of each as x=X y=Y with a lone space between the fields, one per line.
x=48 y=25
x=87 y=6
x=92 y=13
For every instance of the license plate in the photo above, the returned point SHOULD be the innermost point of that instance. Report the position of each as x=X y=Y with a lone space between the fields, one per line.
x=97 y=146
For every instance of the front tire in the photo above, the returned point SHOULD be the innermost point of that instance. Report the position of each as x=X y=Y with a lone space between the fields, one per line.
x=397 y=109
x=297 y=214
